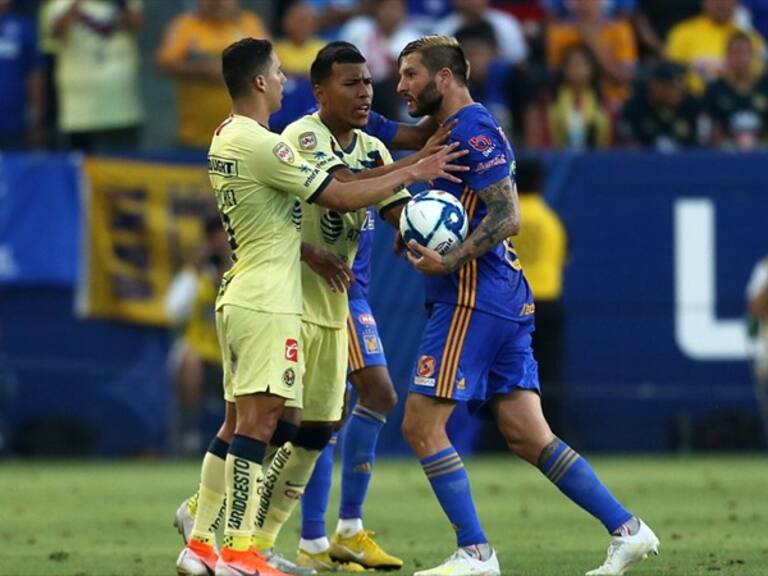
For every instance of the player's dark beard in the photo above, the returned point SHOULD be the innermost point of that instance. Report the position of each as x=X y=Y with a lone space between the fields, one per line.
x=428 y=102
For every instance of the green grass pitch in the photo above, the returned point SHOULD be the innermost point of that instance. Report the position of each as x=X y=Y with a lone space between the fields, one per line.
x=114 y=517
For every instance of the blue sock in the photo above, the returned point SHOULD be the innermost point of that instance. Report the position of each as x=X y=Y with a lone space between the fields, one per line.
x=576 y=479
x=314 y=503
x=450 y=484
x=358 y=454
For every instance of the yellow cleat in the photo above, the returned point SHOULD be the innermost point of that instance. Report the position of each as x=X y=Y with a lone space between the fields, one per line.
x=322 y=562
x=362 y=548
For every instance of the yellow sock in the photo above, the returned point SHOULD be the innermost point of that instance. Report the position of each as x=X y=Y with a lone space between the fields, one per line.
x=243 y=477
x=283 y=487
x=207 y=503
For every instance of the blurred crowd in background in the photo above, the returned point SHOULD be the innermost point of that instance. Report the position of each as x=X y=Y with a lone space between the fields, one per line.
x=112 y=75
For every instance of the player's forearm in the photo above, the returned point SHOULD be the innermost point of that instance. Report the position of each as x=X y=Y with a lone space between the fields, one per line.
x=414 y=137
x=501 y=221
x=62 y=24
x=348 y=196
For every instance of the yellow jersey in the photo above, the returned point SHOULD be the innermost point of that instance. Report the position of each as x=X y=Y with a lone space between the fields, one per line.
x=326 y=228
x=700 y=43
x=541 y=247
x=257 y=176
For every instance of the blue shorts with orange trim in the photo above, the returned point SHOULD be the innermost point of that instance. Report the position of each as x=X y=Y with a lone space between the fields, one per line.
x=470 y=356
x=365 y=348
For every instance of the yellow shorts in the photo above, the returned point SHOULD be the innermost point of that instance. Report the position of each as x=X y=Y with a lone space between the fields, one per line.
x=325 y=372
x=260 y=352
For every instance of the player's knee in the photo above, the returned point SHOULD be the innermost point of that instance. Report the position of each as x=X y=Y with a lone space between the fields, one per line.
x=380 y=399
x=415 y=431
x=313 y=437
x=284 y=432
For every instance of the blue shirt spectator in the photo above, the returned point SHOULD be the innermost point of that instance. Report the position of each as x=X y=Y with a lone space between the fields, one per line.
x=20 y=77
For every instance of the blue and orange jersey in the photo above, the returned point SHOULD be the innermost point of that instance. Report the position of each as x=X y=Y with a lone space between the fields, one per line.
x=362 y=265
x=494 y=283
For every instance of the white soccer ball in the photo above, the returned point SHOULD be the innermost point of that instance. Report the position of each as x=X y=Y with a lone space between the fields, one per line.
x=435 y=219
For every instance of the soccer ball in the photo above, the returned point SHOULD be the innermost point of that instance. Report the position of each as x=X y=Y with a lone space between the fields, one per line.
x=435 y=219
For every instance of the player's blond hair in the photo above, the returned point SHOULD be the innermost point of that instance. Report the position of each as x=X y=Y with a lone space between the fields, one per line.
x=438 y=52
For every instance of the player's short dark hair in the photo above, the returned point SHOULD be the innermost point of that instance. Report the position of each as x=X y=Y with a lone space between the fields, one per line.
x=242 y=61
x=438 y=52
x=337 y=52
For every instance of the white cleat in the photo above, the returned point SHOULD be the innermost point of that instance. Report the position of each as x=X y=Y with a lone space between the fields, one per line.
x=184 y=521
x=281 y=563
x=626 y=550
x=463 y=564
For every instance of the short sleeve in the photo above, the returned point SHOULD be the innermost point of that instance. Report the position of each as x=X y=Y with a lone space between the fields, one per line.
x=282 y=168
x=626 y=47
x=313 y=146
x=490 y=159
x=381 y=127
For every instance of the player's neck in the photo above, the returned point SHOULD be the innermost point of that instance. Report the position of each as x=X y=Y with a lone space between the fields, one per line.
x=453 y=101
x=255 y=109
x=340 y=130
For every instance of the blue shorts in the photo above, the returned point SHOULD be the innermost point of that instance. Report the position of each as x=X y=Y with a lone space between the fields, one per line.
x=470 y=356
x=365 y=348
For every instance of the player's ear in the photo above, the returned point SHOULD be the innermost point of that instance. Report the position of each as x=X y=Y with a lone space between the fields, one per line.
x=319 y=92
x=444 y=77
x=260 y=82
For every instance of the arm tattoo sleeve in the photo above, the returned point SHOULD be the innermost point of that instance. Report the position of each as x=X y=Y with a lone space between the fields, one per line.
x=501 y=221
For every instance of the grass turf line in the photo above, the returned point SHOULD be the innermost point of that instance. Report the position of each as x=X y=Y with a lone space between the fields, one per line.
x=114 y=517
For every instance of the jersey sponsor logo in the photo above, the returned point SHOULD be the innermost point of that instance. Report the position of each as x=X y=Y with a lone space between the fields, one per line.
x=311 y=178
x=289 y=377
x=372 y=344
x=528 y=309
x=283 y=153
x=427 y=382
x=307 y=140
x=369 y=222
x=226 y=167
x=462 y=384
x=488 y=164
x=425 y=367
x=292 y=350
x=331 y=225
x=366 y=319
x=482 y=144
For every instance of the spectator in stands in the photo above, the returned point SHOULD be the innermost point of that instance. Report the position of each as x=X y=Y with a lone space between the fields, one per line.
x=612 y=43
x=333 y=14
x=380 y=38
x=191 y=54
x=700 y=42
x=661 y=114
x=577 y=119
x=558 y=9
x=296 y=51
x=736 y=104
x=499 y=85
x=757 y=312
x=96 y=72
x=542 y=248
x=196 y=358
x=425 y=14
x=23 y=104
x=509 y=33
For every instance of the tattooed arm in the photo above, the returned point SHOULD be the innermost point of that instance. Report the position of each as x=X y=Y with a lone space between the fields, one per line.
x=501 y=221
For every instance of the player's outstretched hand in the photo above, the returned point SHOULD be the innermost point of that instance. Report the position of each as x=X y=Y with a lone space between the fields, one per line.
x=426 y=260
x=330 y=267
x=438 y=165
x=438 y=139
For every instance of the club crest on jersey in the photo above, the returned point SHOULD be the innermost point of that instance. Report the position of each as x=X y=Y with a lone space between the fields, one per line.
x=289 y=377
x=283 y=153
x=372 y=344
x=307 y=140
x=426 y=366
x=292 y=350
x=366 y=319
